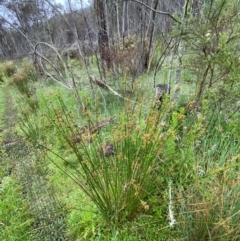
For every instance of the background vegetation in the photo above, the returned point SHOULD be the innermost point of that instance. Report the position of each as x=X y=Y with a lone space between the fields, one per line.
x=87 y=152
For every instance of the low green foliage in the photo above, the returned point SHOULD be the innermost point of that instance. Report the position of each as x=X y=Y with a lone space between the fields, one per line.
x=1 y=73
x=15 y=220
x=9 y=68
x=127 y=191
x=209 y=207
x=2 y=106
x=208 y=199
x=141 y=173
x=23 y=79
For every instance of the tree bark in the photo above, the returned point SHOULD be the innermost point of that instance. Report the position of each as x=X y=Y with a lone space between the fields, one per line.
x=103 y=40
x=149 y=52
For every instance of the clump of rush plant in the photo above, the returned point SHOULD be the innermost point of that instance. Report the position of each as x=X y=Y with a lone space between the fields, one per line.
x=118 y=184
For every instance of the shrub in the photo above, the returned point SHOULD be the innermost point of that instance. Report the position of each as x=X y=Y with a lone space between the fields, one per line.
x=127 y=58
x=23 y=80
x=9 y=68
x=29 y=70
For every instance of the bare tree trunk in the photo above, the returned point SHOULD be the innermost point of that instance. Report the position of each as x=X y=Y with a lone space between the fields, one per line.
x=14 y=43
x=170 y=67
x=103 y=41
x=149 y=52
x=106 y=11
x=127 y=19
x=118 y=24
x=187 y=13
x=123 y=20
x=76 y=37
x=178 y=71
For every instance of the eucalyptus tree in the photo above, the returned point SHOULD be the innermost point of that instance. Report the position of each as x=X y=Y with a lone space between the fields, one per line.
x=26 y=23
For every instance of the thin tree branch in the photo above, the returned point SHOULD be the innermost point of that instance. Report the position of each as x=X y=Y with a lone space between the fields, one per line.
x=156 y=11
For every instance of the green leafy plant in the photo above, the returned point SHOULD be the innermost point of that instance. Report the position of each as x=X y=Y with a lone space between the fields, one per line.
x=211 y=55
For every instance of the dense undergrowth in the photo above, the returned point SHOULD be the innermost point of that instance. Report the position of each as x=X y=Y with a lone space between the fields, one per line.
x=126 y=171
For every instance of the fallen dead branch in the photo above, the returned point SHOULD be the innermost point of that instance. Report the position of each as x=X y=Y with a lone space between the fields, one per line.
x=87 y=132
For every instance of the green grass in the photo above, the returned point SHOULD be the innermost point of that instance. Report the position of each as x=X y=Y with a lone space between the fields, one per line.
x=209 y=205
x=126 y=196
x=15 y=219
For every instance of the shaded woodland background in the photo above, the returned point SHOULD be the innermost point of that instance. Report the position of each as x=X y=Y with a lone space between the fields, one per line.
x=81 y=29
